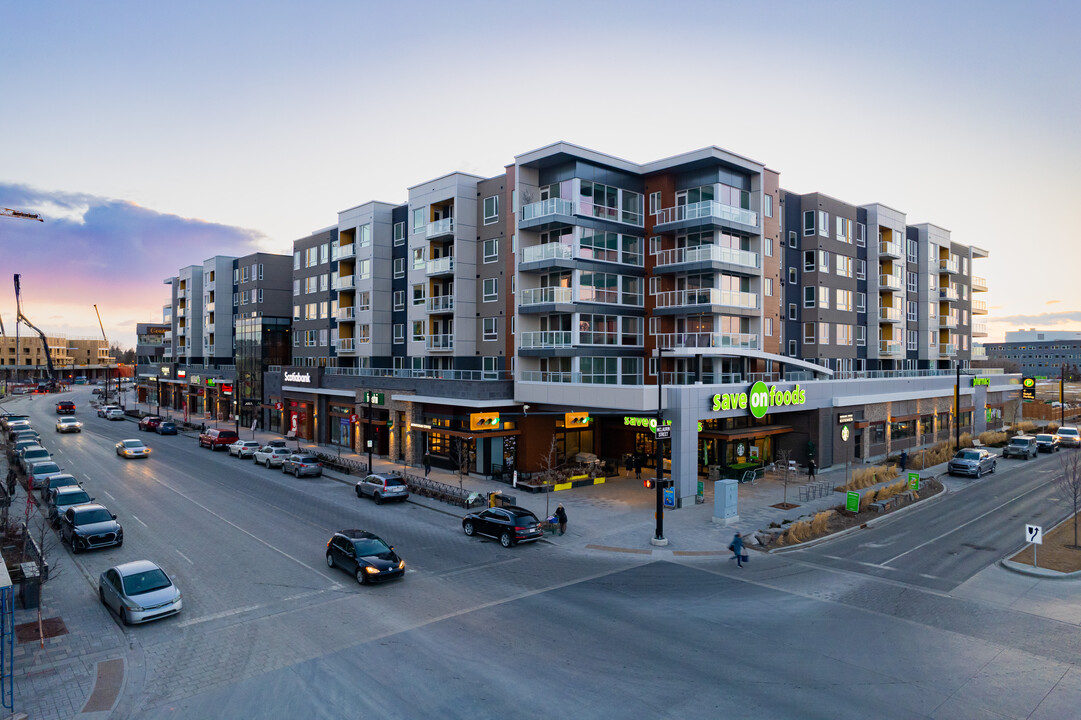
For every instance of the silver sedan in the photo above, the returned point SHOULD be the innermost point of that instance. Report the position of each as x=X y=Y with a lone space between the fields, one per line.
x=139 y=591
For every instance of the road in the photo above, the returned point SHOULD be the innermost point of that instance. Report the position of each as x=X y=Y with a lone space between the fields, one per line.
x=477 y=631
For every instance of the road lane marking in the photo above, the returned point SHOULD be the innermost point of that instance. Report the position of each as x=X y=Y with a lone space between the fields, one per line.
x=218 y=616
x=875 y=565
x=139 y=521
x=183 y=556
x=950 y=532
x=103 y=492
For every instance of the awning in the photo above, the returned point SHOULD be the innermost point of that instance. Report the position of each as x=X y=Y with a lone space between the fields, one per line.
x=743 y=433
x=460 y=402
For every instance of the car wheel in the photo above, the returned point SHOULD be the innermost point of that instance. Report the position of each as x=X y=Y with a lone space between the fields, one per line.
x=361 y=577
x=330 y=560
x=378 y=499
x=979 y=472
x=359 y=493
x=124 y=618
x=469 y=529
x=296 y=473
x=283 y=468
x=505 y=539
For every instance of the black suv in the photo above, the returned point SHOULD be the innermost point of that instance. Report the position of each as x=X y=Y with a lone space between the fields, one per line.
x=90 y=526
x=510 y=523
x=366 y=555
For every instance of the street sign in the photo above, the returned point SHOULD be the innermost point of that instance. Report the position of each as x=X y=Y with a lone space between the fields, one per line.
x=375 y=398
x=664 y=432
x=844 y=433
x=913 y=481
x=278 y=406
x=1028 y=388
x=852 y=501
x=1034 y=534
x=669 y=497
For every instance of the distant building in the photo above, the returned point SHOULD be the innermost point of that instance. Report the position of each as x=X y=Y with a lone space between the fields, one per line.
x=1036 y=353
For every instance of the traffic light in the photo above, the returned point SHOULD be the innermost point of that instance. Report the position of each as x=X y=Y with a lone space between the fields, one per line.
x=650 y=483
x=484 y=421
x=576 y=420
x=653 y=483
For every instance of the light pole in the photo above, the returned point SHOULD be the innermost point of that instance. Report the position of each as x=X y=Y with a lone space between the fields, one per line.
x=659 y=538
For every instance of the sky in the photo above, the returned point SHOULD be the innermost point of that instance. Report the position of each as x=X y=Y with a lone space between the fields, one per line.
x=155 y=135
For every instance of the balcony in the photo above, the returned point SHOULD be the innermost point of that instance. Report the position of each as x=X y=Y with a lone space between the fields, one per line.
x=707 y=296
x=891 y=315
x=979 y=352
x=553 y=211
x=979 y=284
x=440 y=304
x=346 y=345
x=209 y=350
x=439 y=343
x=979 y=307
x=343 y=251
x=440 y=227
x=889 y=281
x=979 y=329
x=947 y=321
x=547 y=339
x=950 y=265
x=740 y=341
x=887 y=248
x=545 y=296
x=888 y=347
x=547 y=251
x=947 y=349
x=210 y=306
x=345 y=282
x=180 y=331
x=440 y=266
x=947 y=294
x=706 y=212
x=347 y=313
x=708 y=254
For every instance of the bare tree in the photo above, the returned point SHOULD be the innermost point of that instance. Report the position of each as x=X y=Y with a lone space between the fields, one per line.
x=550 y=463
x=47 y=544
x=1069 y=485
x=783 y=456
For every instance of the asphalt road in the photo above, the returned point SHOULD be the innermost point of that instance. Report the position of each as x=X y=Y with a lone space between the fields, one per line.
x=477 y=631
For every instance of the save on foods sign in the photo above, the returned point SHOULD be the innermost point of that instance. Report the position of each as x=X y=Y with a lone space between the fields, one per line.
x=760 y=399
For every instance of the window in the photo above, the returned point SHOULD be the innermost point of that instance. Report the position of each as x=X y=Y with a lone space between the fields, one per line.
x=418 y=294
x=861 y=235
x=809 y=296
x=491 y=209
x=768 y=244
x=364 y=301
x=844 y=230
x=364 y=235
x=418 y=220
x=861 y=335
x=418 y=258
x=861 y=268
x=823 y=223
x=842 y=300
x=313 y=257
x=791 y=311
x=260 y=271
x=324 y=253
x=844 y=334
x=792 y=348
x=913 y=315
x=861 y=302
x=489 y=330
x=913 y=282
x=323 y=309
x=364 y=269
x=808 y=223
x=296 y=287
x=823 y=261
x=323 y=337
x=399 y=233
x=260 y=294
x=490 y=368
x=399 y=333
x=769 y=322
x=808 y=261
x=399 y=267
x=913 y=339
x=296 y=312
x=364 y=334
x=491 y=250
x=491 y=290
x=809 y=333
x=654 y=203
x=844 y=265
x=913 y=251
x=768 y=291
x=768 y=203
x=823 y=333
x=793 y=239
x=296 y=259
x=824 y=299
x=399 y=300
x=418 y=331
x=791 y=276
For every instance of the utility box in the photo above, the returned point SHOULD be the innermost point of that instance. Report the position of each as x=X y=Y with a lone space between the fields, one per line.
x=28 y=588
x=725 y=502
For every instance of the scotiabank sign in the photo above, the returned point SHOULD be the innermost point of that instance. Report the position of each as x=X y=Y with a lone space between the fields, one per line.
x=297 y=377
x=309 y=377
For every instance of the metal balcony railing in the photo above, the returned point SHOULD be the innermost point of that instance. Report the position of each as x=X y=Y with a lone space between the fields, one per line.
x=440 y=266
x=546 y=208
x=547 y=339
x=545 y=295
x=440 y=303
x=742 y=341
x=708 y=253
x=706 y=210
x=440 y=227
x=707 y=296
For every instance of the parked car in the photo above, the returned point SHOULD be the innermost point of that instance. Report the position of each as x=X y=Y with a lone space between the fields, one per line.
x=972 y=461
x=302 y=464
x=1047 y=442
x=150 y=422
x=510 y=524
x=90 y=526
x=276 y=443
x=132 y=449
x=41 y=473
x=383 y=487
x=96 y=391
x=61 y=498
x=16 y=425
x=7 y=419
x=65 y=407
x=270 y=456
x=243 y=448
x=166 y=427
x=56 y=481
x=215 y=439
x=21 y=435
x=105 y=409
x=68 y=424
x=1068 y=436
x=139 y=591
x=365 y=555
x=30 y=455
x=114 y=414
x=1022 y=446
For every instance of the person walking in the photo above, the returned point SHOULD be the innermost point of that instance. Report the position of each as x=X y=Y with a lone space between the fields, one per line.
x=904 y=459
x=811 y=467
x=427 y=465
x=561 y=518
x=637 y=467
x=736 y=547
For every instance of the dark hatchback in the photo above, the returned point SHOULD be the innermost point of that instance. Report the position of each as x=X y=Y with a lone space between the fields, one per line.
x=90 y=526
x=366 y=555
x=166 y=427
x=510 y=524
x=150 y=422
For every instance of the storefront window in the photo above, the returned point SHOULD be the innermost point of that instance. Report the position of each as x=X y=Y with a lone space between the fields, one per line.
x=877 y=432
x=901 y=430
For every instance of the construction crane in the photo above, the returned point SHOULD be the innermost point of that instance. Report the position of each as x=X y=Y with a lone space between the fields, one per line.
x=20 y=215
x=51 y=384
x=107 y=373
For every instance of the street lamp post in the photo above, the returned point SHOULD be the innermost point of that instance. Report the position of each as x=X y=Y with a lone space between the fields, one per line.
x=659 y=538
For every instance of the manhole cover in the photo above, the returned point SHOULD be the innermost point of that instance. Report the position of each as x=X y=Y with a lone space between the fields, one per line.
x=28 y=632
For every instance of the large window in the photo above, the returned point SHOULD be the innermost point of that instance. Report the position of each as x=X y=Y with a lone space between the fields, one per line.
x=418 y=258
x=610 y=203
x=842 y=299
x=418 y=331
x=399 y=267
x=808 y=223
x=491 y=209
x=490 y=328
x=823 y=333
x=418 y=219
x=399 y=233
x=598 y=329
x=418 y=294
x=808 y=333
x=399 y=300
x=491 y=290
x=844 y=334
x=491 y=250
x=364 y=235
x=399 y=333
x=767 y=200
x=823 y=223
x=808 y=296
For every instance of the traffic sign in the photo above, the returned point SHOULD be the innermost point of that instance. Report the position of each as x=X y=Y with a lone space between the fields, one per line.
x=664 y=432
x=375 y=398
x=1034 y=534
x=852 y=501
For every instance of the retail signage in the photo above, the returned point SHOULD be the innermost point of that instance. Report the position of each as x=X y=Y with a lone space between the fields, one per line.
x=669 y=497
x=181 y=374
x=375 y=398
x=981 y=381
x=165 y=370
x=211 y=382
x=1028 y=388
x=298 y=377
x=195 y=379
x=913 y=481
x=156 y=331
x=484 y=421
x=663 y=432
x=353 y=418
x=576 y=420
x=226 y=388
x=760 y=399
x=278 y=406
x=846 y=418
x=650 y=423
x=852 y=501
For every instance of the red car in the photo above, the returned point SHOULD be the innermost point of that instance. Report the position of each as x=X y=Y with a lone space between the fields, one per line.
x=65 y=407
x=214 y=438
x=149 y=423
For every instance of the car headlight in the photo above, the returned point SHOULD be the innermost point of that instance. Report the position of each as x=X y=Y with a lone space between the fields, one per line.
x=371 y=570
x=401 y=564
x=136 y=608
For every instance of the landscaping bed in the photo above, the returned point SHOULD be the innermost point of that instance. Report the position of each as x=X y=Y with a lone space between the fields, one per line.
x=1057 y=552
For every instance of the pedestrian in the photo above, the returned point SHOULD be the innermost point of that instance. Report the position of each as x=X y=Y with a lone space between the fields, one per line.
x=561 y=517
x=637 y=467
x=629 y=461
x=904 y=460
x=811 y=467
x=427 y=465
x=736 y=546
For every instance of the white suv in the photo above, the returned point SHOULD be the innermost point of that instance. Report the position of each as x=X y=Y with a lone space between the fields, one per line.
x=270 y=455
x=383 y=487
x=1068 y=436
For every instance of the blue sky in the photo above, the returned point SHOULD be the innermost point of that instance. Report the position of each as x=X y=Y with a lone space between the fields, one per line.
x=254 y=123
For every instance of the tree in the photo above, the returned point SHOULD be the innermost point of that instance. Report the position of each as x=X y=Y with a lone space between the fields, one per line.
x=1069 y=486
x=550 y=463
x=458 y=457
x=47 y=543
x=783 y=456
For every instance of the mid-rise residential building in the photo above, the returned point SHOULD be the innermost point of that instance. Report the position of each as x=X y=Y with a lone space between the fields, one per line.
x=153 y=342
x=262 y=314
x=1037 y=353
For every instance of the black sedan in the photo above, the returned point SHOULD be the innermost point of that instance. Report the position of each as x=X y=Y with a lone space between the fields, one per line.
x=510 y=524
x=366 y=555
x=972 y=461
x=90 y=526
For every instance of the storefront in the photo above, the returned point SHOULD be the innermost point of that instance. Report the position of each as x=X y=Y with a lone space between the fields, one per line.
x=457 y=440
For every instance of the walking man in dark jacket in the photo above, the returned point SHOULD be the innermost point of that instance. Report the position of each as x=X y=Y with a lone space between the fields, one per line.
x=811 y=467
x=737 y=549
x=561 y=517
x=637 y=467
x=427 y=464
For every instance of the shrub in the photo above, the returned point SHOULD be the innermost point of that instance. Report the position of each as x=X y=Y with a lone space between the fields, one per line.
x=889 y=491
x=966 y=440
x=1052 y=427
x=866 y=499
x=993 y=438
x=821 y=523
x=866 y=477
x=798 y=532
x=1024 y=427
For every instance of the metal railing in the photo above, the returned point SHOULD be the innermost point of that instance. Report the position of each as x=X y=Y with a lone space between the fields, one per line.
x=440 y=303
x=887 y=347
x=743 y=341
x=708 y=253
x=947 y=349
x=947 y=321
x=439 y=342
x=706 y=210
x=440 y=265
x=341 y=252
x=347 y=313
x=545 y=295
x=890 y=281
x=466 y=375
x=707 y=296
x=547 y=339
x=346 y=344
x=345 y=282
x=547 y=251
x=890 y=249
x=947 y=293
x=949 y=265
x=891 y=314
x=979 y=284
x=979 y=307
x=546 y=208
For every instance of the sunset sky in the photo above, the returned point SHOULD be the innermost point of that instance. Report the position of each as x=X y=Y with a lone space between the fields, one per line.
x=155 y=135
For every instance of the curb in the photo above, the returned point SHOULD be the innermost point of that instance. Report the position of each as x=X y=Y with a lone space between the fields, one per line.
x=351 y=483
x=1037 y=572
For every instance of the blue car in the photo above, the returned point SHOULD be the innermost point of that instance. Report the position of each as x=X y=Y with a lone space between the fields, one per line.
x=166 y=427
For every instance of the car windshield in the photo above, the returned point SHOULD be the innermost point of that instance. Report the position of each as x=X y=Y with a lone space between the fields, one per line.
x=68 y=420
x=133 y=443
x=72 y=498
x=367 y=547
x=1072 y=432
x=1045 y=438
x=526 y=516
x=29 y=454
x=96 y=515
x=968 y=455
x=168 y=425
x=1019 y=441
x=46 y=468
x=145 y=582
x=307 y=459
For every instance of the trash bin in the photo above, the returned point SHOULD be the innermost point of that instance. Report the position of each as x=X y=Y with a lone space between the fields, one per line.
x=28 y=588
x=499 y=499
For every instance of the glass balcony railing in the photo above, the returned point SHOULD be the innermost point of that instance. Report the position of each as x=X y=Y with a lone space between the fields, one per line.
x=979 y=284
x=890 y=314
x=889 y=281
x=706 y=211
x=947 y=321
x=947 y=294
x=889 y=347
x=541 y=296
x=888 y=248
x=540 y=376
x=347 y=313
x=979 y=307
x=340 y=252
x=440 y=266
x=741 y=341
x=345 y=282
x=949 y=265
x=441 y=227
x=547 y=339
x=979 y=352
x=708 y=253
x=440 y=303
x=547 y=251
x=345 y=345
x=707 y=296
x=547 y=208
x=979 y=329
x=947 y=349
x=437 y=343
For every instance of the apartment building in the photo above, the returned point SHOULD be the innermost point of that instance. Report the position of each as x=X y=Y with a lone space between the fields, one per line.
x=262 y=319
x=153 y=342
x=1038 y=353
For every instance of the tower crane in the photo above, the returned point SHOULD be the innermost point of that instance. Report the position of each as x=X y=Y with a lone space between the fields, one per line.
x=107 y=372
x=19 y=317
x=22 y=215
x=17 y=215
